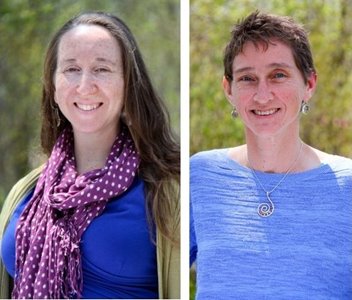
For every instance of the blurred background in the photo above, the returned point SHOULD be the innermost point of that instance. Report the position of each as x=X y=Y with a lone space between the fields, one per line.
x=26 y=26
x=328 y=126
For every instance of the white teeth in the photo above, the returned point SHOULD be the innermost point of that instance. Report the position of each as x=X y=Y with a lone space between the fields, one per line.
x=265 y=112
x=87 y=107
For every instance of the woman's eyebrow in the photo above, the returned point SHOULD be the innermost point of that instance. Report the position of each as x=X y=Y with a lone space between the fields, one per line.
x=244 y=69
x=271 y=65
x=99 y=59
x=280 y=65
x=102 y=59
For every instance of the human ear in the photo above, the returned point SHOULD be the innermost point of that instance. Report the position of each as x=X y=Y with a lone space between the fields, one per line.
x=310 y=86
x=226 y=85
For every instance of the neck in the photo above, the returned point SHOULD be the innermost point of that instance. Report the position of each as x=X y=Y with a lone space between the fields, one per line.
x=273 y=154
x=92 y=150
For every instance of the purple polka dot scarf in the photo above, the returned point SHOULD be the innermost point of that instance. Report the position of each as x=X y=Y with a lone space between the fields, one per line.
x=64 y=203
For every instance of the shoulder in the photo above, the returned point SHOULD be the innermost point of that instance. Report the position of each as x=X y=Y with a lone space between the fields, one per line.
x=209 y=157
x=217 y=159
x=336 y=163
x=18 y=191
x=339 y=164
x=27 y=182
x=209 y=168
x=338 y=168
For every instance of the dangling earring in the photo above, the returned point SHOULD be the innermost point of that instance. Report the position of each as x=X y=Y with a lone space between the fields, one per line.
x=234 y=113
x=304 y=108
x=57 y=115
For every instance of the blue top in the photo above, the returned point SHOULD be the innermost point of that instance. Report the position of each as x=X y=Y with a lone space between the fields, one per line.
x=302 y=251
x=118 y=254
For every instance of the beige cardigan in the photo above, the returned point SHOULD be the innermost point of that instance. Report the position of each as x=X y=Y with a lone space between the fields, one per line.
x=168 y=255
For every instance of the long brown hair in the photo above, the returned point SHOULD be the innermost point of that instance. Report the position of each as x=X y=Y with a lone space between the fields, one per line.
x=144 y=113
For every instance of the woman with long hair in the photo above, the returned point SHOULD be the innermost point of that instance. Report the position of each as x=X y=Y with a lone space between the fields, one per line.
x=100 y=219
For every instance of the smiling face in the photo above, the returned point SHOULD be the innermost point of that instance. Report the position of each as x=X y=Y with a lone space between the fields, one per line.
x=267 y=89
x=89 y=82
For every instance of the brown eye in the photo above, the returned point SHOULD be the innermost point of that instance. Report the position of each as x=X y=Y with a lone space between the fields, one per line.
x=101 y=70
x=246 y=78
x=72 y=70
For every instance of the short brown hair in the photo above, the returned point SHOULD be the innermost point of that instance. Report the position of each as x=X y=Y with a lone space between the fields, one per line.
x=261 y=28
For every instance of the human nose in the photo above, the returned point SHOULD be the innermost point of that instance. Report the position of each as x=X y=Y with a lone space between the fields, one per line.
x=263 y=93
x=86 y=84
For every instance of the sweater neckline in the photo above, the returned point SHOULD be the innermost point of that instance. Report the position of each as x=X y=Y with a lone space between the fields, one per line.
x=232 y=164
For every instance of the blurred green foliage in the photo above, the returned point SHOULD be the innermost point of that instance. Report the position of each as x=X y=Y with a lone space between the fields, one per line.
x=26 y=26
x=328 y=124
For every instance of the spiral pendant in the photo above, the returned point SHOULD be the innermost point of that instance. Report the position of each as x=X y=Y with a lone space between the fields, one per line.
x=266 y=209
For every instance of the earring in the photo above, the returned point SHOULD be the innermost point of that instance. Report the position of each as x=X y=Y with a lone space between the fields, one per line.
x=234 y=113
x=57 y=115
x=304 y=108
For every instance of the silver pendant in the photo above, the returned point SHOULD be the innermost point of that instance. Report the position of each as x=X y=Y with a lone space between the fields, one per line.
x=266 y=209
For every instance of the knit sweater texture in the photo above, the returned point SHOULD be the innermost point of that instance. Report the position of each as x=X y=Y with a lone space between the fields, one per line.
x=302 y=251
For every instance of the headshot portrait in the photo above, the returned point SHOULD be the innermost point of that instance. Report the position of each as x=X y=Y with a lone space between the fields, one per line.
x=90 y=205
x=271 y=168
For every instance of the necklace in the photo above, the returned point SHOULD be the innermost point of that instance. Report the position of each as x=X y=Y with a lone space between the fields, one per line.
x=266 y=209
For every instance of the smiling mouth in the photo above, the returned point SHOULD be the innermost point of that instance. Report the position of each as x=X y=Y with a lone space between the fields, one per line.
x=268 y=112
x=87 y=107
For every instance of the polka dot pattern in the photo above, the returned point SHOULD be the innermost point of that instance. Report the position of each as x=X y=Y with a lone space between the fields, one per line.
x=48 y=234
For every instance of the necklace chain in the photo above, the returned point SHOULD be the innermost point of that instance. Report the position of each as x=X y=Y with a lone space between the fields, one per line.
x=267 y=209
